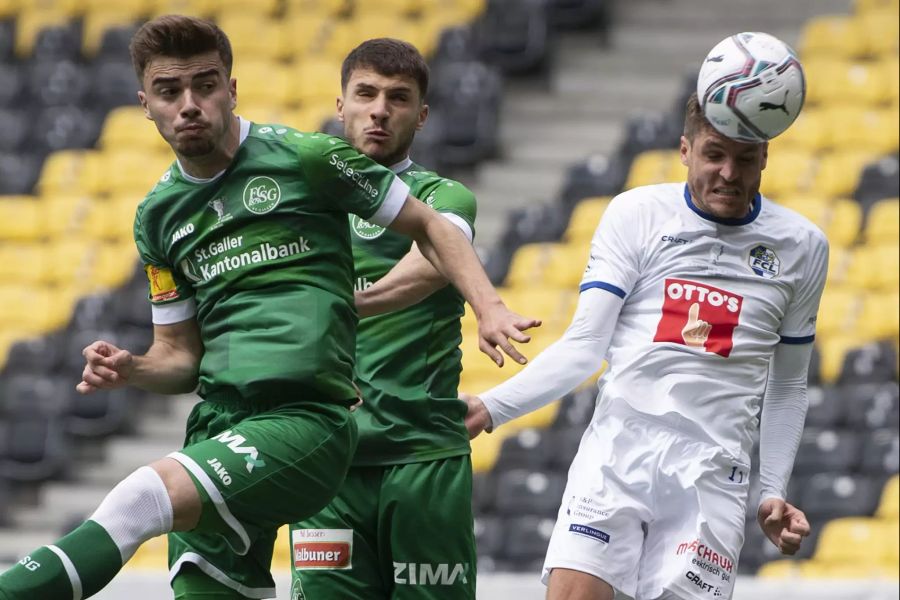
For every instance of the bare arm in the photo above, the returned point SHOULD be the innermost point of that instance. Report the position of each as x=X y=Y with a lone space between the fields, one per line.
x=411 y=280
x=453 y=256
x=170 y=365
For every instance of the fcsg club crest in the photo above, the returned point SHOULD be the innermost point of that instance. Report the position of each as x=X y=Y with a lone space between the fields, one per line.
x=764 y=262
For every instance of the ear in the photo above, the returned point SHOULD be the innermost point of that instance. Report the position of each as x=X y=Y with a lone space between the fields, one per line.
x=232 y=91
x=765 y=156
x=339 y=106
x=142 y=98
x=423 y=116
x=684 y=150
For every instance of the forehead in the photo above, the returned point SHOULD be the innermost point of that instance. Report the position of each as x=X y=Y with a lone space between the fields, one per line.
x=709 y=138
x=182 y=67
x=369 y=77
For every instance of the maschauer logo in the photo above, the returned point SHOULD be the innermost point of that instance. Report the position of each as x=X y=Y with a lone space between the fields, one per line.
x=764 y=262
x=261 y=194
x=364 y=229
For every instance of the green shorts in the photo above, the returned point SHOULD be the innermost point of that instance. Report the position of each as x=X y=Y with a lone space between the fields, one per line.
x=398 y=532
x=257 y=470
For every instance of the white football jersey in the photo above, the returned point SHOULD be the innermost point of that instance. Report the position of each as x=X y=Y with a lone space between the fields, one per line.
x=706 y=302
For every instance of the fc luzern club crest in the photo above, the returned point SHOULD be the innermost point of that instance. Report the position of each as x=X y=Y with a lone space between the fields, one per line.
x=764 y=262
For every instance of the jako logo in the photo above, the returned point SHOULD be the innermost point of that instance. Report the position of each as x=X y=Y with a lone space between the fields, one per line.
x=234 y=444
x=182 y=232
x=261 y=194
x=428 y=574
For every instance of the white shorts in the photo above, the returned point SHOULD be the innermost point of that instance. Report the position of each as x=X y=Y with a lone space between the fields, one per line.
x=651 y=511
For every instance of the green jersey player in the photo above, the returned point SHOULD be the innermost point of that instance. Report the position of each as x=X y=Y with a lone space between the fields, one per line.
x=250 y=269
x=411 y=480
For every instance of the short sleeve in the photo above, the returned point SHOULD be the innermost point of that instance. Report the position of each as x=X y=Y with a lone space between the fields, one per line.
x=455 y=202
x=799 y=323
x=614 y=264
x=353 y=182
x=170 y=295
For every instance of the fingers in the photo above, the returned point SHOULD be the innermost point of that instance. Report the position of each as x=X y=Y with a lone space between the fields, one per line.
x=491 y=351
x=85 y=388
x=694 y=313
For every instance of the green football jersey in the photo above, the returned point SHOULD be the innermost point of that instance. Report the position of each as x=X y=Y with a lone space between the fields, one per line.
x=261 y=255
x=408 y=361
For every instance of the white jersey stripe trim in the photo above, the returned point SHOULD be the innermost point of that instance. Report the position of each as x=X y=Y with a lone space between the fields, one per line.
x=461 y=223
x=213 y=572
x=218 y=501
x=71 y=571
x=392 y=204
x=176 y=312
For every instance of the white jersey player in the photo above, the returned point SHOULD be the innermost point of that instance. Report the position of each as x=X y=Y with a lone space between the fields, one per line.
x=703 y=298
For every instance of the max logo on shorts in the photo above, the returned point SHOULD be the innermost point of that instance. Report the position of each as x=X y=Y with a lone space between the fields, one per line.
x=699 y=315
x=322 y=548
x=235 y=444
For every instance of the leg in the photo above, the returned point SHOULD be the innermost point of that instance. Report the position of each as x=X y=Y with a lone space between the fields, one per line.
x=567 y=584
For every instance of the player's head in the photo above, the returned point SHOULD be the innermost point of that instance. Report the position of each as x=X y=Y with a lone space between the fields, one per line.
x=723 y=174
x=184 y=68
x=382 y=103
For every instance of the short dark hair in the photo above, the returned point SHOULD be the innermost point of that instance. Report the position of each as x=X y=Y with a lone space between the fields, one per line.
x=694 y=119
x=387 y=56
x=178 y=36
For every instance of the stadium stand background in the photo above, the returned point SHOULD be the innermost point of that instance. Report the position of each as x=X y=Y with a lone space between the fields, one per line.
x=546 y=108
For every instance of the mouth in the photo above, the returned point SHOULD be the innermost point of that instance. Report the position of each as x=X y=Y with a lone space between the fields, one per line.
x=378 y=134
x=190 y=127
x=727 y=192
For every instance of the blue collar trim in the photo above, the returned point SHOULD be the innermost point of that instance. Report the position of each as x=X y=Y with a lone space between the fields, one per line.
x=751 y=216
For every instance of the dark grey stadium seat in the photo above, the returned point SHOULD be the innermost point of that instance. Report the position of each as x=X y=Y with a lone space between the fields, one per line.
x=881 y=452
x=525 y=543
x=523 y=492
x=19 y=171
x=59 y=43
x=47 y=393
x=876 y=361
x=35 y=448
x=832 y=495
x=650 y=131
x=826 y=407
x=565 y=446
x=58 y=82
x=114 y=83
x=596 y=175
x=12 y=85
x=7 y=40
x=528 y=449
x=579 y=14
x=114 y=42
x=827 y=450
x=871 y=405
x=489 y=535
x=879 y=180
x=96 y=311
x=62 y=127
x=16 y=125
x=483 y=488
x=515 y=35
x=40 y=354
x=100 y=414
x=576 y=408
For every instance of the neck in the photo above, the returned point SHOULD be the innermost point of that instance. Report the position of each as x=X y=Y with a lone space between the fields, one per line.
x=204 y=167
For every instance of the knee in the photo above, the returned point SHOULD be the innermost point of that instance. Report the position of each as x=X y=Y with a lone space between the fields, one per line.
x=186 y=504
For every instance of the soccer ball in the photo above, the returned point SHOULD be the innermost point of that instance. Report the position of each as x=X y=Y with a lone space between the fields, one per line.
x=751 y=87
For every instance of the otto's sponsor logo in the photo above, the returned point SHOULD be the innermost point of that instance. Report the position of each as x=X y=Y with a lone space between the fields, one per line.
x=699 y=315
x=162 y=284
x=361 y=284
x=235 y=443
x=334 y=555
x=706 y=587
x=261 y=194
x=589 y=532
x=364 y=229
x=182 y=232
x=322 y=548
x=353 y=175
x=706 y=553
x=220 y=470
x=764 y=262
x=430 y=574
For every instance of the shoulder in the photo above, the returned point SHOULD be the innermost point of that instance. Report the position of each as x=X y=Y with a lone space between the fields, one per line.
x=166 y=185
x=295 y=140
x=647 y=200
x=792 y=224
x=432 y=187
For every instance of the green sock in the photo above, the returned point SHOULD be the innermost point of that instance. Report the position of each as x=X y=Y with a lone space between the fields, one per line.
x=92 y=557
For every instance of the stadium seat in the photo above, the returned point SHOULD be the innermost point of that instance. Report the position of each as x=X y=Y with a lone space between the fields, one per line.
x=529 y=448
x=597 y=175
x=853 y=540
x=15 y=123
x=20 y=219
x=36 y=355
x=19 y=171
x=883 y=222
x=826 y=407
x=69 y=172
x=655 y=166
x=838 y=310
x=282 y=555
x=35 y=448
x=881 y=452
x=128 y=127
x=831 y=495
x=880 y=315
x=881 y=31
x=97 y=21
x=840 y=36
x=98 y=415
x=873 y=362
x=64 y=127
x=875 y=269
x=837 y=173
x=42 y=391
x=12 y=85
x=489 y=535
x=114 y=83
x=810 y=133
x=879 y=180
x=827 y=450
x=55 y=40
x=889 y=504
x=650 y=131
x=515 y=35
x=526 y=539
x=787 y=172
x=870 y=406
x=315 y=79
x=25 y=262
x=528 y=492
x=255 y=37
x=863 y=128
x=58 y=82
x=483 y=490
x=584 y=220
x=565 y=443
x=114 y=42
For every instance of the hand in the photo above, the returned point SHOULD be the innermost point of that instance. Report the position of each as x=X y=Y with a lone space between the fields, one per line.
x=497 y=326
x=785 y=525
x=478 y=418
x=695 y=332
x=107 y=368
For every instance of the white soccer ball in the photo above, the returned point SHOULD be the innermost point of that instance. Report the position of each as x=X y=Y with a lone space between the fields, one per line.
x=751 y=87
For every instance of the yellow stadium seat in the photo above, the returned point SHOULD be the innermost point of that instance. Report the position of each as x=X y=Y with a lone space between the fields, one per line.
x=255 y=37
x=839 y=219
x=655 y=166
x=305 y=33
x=485 y=450
x=879 y=317
x=820 y=73
x=263 y=82
x=97 y=21
x=555 y=265
x=194 y=8
x=71 y=172
x=316 y=79
x=152 y=555
x=25 y=263
x=9 y=8
x=852 y=540
x=787 y=172
x=839 y=263
x=316 y=8
x=864 y=6
x=311 y=117
x=883 y=222
x=584 y=220
x=113 y=265
x=553 y=306
x=281 y=557
x=224 y=8
x=131 y=171
x=837 y=173
x=20 y=218
x=34 y=309
x=833 y=35
x=781 y=569
x=833 y=348
x=29 y=23
x=819 y=570
x=861 y=82
x=874 y=267
x=890 y=70
x=838 y=310
x=881 y=31
x=889 y=506
x=127 y=127
x=810 y=133
x=63 y=215
x=863 y=128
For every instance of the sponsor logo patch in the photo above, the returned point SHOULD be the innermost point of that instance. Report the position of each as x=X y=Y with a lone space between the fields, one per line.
x=162 y=284
x=322 y=548
x=590 y=532
x=699 y=315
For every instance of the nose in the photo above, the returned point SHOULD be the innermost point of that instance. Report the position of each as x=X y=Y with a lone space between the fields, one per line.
x=189 y=107
x=729 y=170
x=379 y=108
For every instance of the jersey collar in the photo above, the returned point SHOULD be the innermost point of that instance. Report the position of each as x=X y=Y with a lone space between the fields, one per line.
x=401 y=166
x=756 y=206
x=245 y=131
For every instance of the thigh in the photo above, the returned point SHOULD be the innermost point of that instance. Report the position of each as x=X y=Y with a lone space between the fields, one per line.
x=427 y=539
x=692 y=549
x=335 y=552
x=600 y=525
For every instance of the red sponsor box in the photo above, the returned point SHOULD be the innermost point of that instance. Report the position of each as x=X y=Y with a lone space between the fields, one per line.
x=333 y=555
x=712 y=322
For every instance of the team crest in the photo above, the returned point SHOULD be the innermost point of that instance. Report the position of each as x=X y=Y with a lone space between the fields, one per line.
x=364 y=229
x=764 y=262
x=297 y=590
x=261 y=194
